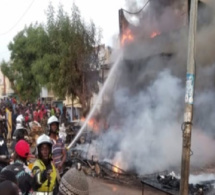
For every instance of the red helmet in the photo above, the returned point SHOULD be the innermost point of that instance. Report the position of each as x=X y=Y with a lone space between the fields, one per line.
x=22 y=148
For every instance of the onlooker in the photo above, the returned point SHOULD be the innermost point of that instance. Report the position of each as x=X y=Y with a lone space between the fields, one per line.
x=27 y=119
x=8 y=175
x=19 y=134
x=14 y=116
x=41 y=112
x=4 y=159
x=52 y=111
x=38 y=102
x=57 y=112
x=36 y=115
x=19 y=167
x=65 y=116
x=9 y=122
x=3 y=126
x=8 y=188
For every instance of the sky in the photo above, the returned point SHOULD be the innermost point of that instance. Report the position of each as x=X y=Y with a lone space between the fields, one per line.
x=15 y=14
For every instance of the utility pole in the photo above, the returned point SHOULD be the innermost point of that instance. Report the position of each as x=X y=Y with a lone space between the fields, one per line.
x=189 y=98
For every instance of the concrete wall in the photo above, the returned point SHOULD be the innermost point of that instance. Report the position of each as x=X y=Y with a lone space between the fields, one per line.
x=5 y=85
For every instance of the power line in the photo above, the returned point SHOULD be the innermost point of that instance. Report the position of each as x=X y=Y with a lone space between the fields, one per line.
x=19 y=20
x=135 y=13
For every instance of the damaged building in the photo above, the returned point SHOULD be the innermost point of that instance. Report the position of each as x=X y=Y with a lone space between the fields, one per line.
x=145 y=99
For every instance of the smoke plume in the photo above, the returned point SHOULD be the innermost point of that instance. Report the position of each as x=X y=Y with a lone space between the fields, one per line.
x=145 y=102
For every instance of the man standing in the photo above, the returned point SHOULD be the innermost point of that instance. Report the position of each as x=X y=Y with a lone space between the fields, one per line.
x=64 y=116
x=19 y=167
x=19 y=134
x=4 y=154
x=58 y=148
x=9 y=122
x=41 y=112
x=36 y=115
x=14 y=116
x=53 y=111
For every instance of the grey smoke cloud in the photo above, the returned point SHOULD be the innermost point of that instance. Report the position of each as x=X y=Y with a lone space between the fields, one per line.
x=145 y=104
x=147 y=135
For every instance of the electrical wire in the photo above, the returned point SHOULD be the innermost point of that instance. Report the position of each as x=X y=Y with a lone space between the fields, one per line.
x=19 y=20
x=136 y=13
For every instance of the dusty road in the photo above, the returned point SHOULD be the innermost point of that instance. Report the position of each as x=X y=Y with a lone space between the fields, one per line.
x=102 y=187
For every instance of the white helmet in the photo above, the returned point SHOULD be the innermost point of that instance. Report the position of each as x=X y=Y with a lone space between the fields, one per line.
x=19 y=126
x=20 y=119
x=43 y=139
x=53 y=119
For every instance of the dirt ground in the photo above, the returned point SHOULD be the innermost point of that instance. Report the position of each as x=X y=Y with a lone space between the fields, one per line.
x=102 y=187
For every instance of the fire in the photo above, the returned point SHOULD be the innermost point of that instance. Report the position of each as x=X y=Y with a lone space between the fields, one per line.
x=127 y=37
x=154 y=34
x=92 y=123
x=116 y=168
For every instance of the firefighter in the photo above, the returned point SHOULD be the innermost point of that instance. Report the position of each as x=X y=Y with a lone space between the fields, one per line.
x=43 y=169
x=58 y=148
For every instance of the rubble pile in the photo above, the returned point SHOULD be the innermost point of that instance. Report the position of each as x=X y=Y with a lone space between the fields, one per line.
x=171 y=182
x=106 y=170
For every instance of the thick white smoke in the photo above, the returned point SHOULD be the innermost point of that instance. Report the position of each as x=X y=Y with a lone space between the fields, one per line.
x=146 y=103
x=148 y=137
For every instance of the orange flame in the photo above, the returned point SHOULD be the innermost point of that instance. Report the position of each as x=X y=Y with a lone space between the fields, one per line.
x=92 y=123
x=154 y=34
x=116 y=167
x=127 y=37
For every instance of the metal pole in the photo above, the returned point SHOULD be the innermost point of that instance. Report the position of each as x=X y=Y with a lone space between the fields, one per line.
x=189 y=97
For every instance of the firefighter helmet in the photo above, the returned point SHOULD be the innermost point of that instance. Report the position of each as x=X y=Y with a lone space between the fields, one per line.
x=53 y=119
x=43 y=139
x=20 y=119
x=20 y=126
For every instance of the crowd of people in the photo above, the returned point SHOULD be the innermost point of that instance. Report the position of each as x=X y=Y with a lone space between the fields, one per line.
x=46 y=175
x=40 y=112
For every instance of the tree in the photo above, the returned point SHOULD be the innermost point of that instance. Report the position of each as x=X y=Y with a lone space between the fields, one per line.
x=73 y=60
x=23 y=55
x=61 y=55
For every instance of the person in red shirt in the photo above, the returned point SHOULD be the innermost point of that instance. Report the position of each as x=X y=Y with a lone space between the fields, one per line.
x=27 y=117
x=36 y=115
x=38 y=102
x=41 y=112
x=13 y=100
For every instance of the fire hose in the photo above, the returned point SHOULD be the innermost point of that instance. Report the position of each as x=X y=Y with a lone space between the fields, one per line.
x=112 y=71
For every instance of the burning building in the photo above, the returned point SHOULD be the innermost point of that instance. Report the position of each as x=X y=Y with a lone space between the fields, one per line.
x=145 y=103
x=145 y=106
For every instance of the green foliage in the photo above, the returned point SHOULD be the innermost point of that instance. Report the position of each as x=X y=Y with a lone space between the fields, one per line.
x=23 y=55
x=60 y=55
